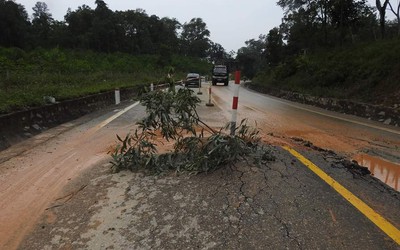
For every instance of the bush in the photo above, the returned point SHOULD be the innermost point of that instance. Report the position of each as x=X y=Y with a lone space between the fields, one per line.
x=174 y=115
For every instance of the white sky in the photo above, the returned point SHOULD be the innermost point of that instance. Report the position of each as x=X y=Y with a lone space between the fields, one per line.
x=231 y=22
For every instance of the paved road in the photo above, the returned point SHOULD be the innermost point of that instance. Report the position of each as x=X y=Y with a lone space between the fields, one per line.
x=281 y=204
x=366 y=141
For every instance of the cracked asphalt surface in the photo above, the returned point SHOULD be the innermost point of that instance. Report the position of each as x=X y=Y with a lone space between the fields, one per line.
x=276 y=204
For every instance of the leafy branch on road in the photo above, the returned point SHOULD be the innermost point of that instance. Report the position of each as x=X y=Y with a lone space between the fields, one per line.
x=197 y=147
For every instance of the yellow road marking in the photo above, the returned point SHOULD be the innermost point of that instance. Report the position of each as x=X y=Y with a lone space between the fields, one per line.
x=376 y=218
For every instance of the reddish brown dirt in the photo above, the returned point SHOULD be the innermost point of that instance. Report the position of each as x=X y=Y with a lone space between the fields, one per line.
x=34 y=177
x=283 y=127
x=31 y=180
x=34 y=172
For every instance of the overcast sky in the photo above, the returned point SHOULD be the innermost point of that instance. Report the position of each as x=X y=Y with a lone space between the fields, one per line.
x=231 y=22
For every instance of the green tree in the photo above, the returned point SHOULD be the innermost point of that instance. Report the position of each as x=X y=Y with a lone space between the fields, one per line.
x=216 y=53
x=349 y=16
x=308 y=17
x=157 y=32
x=80 y=23
x=143 y=34
x=136 y=27
x=104 y=30
x=41 y=24
x=250 y=57
x=274 y=47
x=321 y=23
x=59 y=36
x=131 y=22
x=170 y=33
x=195 y=38
x=14 y=24
x=302 y=27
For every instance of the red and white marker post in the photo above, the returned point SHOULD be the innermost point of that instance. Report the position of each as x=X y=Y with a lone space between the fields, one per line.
x=235 y=102
x=209 y=104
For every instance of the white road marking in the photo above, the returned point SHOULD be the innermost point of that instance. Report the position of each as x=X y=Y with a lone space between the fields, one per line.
x=93 y=130
x=112 y=118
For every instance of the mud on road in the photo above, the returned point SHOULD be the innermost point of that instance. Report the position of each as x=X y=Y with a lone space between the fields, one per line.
x=278 y=204
x=275 y=205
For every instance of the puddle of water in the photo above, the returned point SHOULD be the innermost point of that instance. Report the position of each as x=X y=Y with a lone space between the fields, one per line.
x=387 y=172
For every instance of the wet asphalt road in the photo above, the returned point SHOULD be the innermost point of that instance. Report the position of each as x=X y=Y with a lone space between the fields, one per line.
x=279 y=205
x=372 y=143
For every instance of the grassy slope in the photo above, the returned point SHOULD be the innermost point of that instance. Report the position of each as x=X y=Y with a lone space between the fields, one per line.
x=25 y=77
x=366 y=73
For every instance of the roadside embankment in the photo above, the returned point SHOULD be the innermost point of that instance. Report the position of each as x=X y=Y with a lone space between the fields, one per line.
x=23 y=124
x=386 y=115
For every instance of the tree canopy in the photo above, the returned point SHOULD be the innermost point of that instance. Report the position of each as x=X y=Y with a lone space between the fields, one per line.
x=14 y=24
x=103 y=30
x=314 y=25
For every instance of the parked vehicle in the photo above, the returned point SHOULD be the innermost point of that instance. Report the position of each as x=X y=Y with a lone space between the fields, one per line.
x=193 y=80
x=220 y=74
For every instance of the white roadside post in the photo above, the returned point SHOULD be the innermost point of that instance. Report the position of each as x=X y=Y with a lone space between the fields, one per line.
x=209 y=104
x=117 y=97
x=235 y=102
x=199 y=92
x=151 y=87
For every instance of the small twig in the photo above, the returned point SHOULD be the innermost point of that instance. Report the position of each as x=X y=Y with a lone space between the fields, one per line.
x=58 y=205
x=69 y=196
x=206 y=125
x=332 y=215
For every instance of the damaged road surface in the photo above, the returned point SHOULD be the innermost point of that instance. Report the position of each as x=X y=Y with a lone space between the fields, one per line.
x=57 y=190
x=278 y=205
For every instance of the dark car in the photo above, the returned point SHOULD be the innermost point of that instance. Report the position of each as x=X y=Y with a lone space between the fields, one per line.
x=193 y=80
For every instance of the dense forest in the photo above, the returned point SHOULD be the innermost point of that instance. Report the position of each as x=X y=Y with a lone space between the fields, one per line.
x=343 y=48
